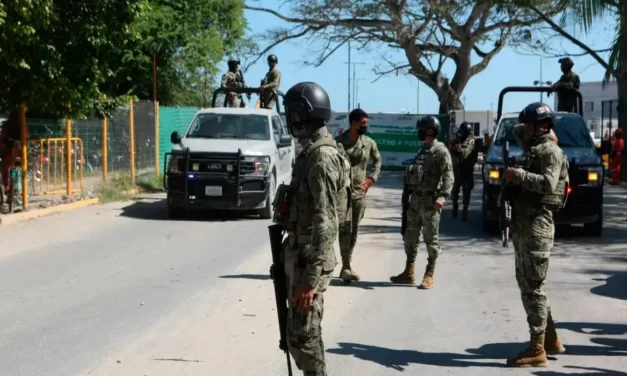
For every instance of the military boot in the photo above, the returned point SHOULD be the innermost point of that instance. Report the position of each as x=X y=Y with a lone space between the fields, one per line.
x=407 y=277
x=347 y=274
x=465 y=214
x=552 y=342
x=533 y=356
x=455 y=207
x=427 y=280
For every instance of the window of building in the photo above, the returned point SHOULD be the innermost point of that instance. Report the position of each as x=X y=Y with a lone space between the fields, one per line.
x=588 y=106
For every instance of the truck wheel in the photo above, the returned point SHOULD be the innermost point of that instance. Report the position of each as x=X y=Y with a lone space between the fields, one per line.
x=175 y=212
x=595 y=228
x=267 y=212
x=489 y=227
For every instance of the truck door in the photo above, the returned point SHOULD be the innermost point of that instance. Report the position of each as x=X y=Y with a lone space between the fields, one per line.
x=285 y=157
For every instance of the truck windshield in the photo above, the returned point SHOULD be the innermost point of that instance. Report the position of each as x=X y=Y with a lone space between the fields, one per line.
x=571 y=131
x=233 y=126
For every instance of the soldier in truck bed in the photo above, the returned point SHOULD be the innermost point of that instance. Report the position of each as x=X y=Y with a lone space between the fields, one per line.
x=567 y=87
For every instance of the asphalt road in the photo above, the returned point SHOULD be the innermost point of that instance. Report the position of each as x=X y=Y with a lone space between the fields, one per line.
x=120 y=290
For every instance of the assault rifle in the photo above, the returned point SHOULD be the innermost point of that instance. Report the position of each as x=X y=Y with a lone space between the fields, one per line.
x=505 y=198
x=405 y=205
x=277 y=272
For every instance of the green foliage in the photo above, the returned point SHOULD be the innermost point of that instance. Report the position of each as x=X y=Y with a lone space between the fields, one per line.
x=52 y=53
x=189 y=39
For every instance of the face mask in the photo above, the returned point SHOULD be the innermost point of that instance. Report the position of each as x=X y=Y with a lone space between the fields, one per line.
x=362 y=130
x=422 y=134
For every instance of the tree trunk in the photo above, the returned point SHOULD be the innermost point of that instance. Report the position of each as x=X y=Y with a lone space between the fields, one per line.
x=449 y=103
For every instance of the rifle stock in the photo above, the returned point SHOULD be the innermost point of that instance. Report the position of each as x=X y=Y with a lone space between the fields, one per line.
x=505 y=199
x=277 y=272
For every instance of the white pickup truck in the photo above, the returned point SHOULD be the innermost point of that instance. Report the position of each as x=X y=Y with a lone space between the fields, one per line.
x=229 y=159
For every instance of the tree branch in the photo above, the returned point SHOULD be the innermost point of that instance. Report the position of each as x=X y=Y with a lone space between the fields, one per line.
x=570 y=38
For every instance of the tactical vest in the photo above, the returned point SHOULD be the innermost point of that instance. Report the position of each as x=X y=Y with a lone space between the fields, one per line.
x=291 y=200
x=416 y=174
x=552 y=201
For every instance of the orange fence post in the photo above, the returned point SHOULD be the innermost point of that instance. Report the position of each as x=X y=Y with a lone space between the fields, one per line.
x=157 y=138
x=105 y=147
x=132 y=133
x=68 y=154
x=24 y=142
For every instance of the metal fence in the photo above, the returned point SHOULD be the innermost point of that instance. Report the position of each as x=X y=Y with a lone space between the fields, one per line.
x=98 y=148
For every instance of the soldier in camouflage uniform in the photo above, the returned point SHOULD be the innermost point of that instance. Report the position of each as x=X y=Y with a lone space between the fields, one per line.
x=233 y=78
x=360 y=150
x=567 y=87
x=464 y=156
x=320 y=190
x=428 y=183
x=270 y=84
x=541 y=188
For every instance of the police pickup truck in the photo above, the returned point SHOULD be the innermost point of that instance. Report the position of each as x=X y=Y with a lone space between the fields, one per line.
x=584 y=203
x=229 y=159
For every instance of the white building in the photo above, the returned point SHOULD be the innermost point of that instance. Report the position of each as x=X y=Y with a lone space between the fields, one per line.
x=599 y=106
x=481 y=120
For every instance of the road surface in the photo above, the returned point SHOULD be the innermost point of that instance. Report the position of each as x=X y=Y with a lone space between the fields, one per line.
x=119 y=289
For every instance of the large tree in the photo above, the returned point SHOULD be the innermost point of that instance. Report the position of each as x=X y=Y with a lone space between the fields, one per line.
x=427 y=33
x=188 y=39
x=55 y=53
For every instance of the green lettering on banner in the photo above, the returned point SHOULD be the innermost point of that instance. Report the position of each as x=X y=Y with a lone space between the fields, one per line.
x=400 y=143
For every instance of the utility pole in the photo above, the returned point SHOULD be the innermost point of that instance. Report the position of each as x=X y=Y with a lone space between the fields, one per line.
x=464 y=101
x=356 y=93
x=354 y=88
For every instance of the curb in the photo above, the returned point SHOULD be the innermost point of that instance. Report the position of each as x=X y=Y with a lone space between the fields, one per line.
x=25 y=216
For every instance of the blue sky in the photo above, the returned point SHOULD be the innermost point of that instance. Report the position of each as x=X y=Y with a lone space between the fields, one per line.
x=395 y=93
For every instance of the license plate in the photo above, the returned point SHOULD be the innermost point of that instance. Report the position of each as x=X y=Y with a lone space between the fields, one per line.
x=213 y=191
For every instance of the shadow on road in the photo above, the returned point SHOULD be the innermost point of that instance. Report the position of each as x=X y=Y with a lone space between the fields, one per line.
x=399 y=359
x=156 y=210
x=595 y=372
x=593 y=328
x=608 y=346
x=257 y=277
x=615 y=285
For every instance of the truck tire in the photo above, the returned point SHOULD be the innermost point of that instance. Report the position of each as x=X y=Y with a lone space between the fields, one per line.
x=268 y=212
x=489 y=226
x=175 y=212
x=595 y=228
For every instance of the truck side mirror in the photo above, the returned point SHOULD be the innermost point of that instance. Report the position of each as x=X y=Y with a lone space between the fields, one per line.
x=285 y=140
x=175 y=138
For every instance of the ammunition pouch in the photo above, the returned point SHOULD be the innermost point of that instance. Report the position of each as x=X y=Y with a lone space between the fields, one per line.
x=281 y=205
x=556 y=201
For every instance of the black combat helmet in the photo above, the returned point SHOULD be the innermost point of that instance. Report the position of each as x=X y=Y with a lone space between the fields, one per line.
x=273 y=59
x=465 y=129
x=537 y=113
x=233 y=61
x=567 y=61
x=307 y=103
x=427 y=122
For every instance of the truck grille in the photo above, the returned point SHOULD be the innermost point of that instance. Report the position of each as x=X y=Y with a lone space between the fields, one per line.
x=217 y=163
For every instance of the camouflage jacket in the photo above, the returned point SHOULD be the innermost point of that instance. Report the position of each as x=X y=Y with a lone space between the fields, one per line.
x=431 y=173
x=543 y=178
x=272 y=81
x=567 y=86
x=359 y=154
x=464 y=160
x=320 y=185
x=232 y=79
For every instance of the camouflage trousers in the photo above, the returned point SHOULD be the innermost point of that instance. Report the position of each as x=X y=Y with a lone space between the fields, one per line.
x=269 y=101
x=348 y=230
x=466 y=183
x=532 y=249
x=423 y=218
x=304 y=335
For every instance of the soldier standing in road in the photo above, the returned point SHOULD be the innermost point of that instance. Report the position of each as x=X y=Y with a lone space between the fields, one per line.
x=542 y=185
x=233 y=79
x=270 y=84
x=428 y=184
x=319 y=189
x=360 y=150
x=567 y=87
x=464 y=156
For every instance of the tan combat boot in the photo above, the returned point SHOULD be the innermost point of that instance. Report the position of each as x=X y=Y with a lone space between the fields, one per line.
x=347 y=274
x=552 y=342
x=407 y=277
x=427 y=280
x=533 y=356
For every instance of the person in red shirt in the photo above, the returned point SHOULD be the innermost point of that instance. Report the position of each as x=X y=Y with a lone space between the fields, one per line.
x=9 y=137
x=617 y=156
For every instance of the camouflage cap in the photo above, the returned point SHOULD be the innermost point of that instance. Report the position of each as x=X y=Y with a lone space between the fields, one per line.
x=566 y=60
x=233 y=60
